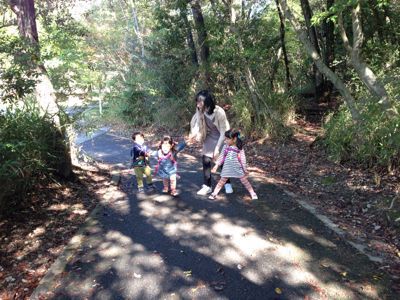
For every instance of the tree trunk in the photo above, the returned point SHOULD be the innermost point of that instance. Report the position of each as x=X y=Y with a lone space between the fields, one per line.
x=366 y=75
x=329 y=57
x=379 y=21
x=255 y=95
x=137 y=28
x=204 y=51
x=275 y=65
x=25 y=12
x=189 y=36
x=283 y=47
x=337 y=82
x=312 y=33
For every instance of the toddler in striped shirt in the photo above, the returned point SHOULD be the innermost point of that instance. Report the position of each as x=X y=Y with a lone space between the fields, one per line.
x=233 y=159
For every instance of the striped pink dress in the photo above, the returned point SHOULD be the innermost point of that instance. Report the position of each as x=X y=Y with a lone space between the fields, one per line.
x=233 y=160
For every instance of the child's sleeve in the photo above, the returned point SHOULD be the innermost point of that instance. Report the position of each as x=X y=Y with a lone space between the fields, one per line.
x=153 y=153
x=243 y=160
x=180 y=146
x=221 y=156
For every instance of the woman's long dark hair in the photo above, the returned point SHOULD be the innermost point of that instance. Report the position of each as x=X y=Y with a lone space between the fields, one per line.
x=209 y=102
x=235 y=133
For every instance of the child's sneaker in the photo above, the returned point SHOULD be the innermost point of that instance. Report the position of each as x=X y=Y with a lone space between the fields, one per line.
x=174 y=193
x=254 y=196
x=228 y=188
x=140 y=190
x=212 y=197
x=205 y=189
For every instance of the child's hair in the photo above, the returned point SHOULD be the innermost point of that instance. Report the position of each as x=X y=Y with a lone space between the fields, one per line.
x=209 y=102
x=137 y=133
x=235 y=133
x=170 y=141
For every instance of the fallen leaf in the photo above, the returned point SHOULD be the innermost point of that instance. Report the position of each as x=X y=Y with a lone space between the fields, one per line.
x=278 y=291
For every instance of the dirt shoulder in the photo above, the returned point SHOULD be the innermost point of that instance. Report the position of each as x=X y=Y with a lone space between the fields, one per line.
x=34 y=235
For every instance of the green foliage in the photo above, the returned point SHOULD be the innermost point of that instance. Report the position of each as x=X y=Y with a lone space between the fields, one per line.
x=30 y=148
x=269 y=120
x=17 y=69
x=375 y=142
x=67 y=56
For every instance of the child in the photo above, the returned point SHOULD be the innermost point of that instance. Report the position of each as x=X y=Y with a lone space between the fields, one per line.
x=167 y=165
x=140 y=162
x=233 y=159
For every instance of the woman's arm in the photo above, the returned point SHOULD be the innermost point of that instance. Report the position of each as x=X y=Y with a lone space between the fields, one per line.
x=222 y=126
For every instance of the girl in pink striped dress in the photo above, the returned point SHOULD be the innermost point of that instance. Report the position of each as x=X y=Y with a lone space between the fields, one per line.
x=233 y=159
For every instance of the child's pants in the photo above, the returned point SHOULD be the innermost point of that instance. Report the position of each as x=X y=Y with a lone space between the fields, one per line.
x=171 y=181
x=139 y=172
x=243 y=180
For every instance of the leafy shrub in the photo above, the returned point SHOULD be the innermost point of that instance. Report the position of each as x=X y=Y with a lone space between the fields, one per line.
x=29 y=151
x=271 y=119
x=375 y=142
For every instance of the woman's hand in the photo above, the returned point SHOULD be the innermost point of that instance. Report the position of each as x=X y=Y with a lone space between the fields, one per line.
x=214 y=170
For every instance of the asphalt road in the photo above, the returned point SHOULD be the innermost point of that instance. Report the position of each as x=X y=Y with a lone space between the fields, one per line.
x=154 y=246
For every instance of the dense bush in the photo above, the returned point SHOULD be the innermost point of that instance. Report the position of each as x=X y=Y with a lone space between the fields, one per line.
x=374 y=142
x=29 y=147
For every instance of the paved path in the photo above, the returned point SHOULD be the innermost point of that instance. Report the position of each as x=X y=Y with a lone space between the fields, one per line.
x=157 y=247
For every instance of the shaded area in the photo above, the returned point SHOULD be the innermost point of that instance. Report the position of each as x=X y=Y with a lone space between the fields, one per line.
x=33 y=235
x=155 y=247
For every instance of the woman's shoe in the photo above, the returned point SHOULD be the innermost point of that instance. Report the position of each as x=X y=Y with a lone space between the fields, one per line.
x=205 y=189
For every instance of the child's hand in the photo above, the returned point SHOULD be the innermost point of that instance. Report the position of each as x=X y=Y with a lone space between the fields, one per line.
x=214 y=170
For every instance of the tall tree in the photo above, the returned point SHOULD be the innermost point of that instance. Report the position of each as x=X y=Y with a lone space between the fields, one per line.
x=189 y=34
x=45 y=95
x=204 y=50
x=365 y=73
x=316 y=57
x=312 y=34
x=282 y=31
x=329 y=30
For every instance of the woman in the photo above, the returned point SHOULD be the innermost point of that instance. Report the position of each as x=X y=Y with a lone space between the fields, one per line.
x=208 y=126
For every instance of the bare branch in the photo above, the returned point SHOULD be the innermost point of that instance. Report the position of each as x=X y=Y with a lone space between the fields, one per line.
x=343 y=33
x=13 y=23
x=357 y=30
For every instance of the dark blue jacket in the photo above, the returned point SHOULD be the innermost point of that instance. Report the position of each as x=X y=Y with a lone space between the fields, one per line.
x=138 y=154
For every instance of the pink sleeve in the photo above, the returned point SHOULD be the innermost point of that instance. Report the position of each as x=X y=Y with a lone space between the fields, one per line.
x=221 y=156
x=243 y=159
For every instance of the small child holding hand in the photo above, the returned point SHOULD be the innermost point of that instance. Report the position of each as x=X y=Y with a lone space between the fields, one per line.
x=140 y=162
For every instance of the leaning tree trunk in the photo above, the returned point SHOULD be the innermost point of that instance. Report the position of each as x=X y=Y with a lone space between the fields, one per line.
x=255 y=95
x=204 y=50
x=312 y=52
x=45 y=95
x=366 y=75
x=312 y=33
